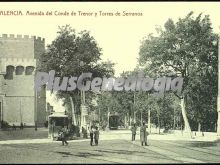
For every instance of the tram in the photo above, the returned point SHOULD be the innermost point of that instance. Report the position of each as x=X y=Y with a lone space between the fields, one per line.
x=56 y=122
x=113 y=121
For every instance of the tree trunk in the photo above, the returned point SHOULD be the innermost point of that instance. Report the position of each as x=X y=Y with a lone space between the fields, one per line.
x=134 y=117
x=141 y=118
x=125 y=121
x=128 y=120
x=199 y=127
x=99 y=116
x=149 y=125
x=108 y=118
x=73 y=111
x=218 y=98
x=77 y=115
x=174 y=121
x=185 y=119
x=158 y=121
x=134 y=109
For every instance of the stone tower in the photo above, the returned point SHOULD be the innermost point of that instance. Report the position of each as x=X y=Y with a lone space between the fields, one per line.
x=19 y=102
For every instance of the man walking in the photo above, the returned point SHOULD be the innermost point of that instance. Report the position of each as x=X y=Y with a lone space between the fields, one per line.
x=63 y=135
x=133 y=131
x=21 y=126
x=14 y=127
x=143 y=134
x=91 y=135
x=96 y=135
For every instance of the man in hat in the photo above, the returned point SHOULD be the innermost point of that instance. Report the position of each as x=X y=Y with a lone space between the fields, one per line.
x=133 y=131
x=143 y=134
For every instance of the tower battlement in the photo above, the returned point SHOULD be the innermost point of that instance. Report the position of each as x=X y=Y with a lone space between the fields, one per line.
x=21 y=46
x=21 y=37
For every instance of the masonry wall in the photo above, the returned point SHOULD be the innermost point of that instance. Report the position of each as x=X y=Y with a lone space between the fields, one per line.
x=19 y=99
x=41 y=107
x=20 y=85
x=39 y=47
x=19 y=109
x=18 y=96
x=17 y=46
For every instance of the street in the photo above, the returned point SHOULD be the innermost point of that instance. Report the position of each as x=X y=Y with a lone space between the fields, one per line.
x=110 y=150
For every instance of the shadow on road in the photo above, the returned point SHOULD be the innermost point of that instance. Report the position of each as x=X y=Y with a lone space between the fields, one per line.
x=120 y=151
x=80 y=154
x=202 y=144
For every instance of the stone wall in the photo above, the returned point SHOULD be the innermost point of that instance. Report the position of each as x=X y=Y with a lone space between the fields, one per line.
x=18 y=61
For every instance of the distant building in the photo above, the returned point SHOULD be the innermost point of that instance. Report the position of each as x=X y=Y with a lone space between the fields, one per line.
x=19 y=102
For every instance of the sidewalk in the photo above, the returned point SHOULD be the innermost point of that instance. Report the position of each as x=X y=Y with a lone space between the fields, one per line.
x=29 y=141
x=26 y=133
x=176 y=136
x=41 y=137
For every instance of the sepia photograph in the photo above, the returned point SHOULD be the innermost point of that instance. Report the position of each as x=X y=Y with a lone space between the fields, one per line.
x=109 y=82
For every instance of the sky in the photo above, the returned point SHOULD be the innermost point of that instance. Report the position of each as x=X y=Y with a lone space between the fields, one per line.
x=118 y=36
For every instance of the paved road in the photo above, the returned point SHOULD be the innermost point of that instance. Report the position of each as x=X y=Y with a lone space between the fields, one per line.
x=111 y=151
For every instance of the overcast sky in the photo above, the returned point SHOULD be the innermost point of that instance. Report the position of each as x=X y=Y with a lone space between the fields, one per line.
x=118 y=36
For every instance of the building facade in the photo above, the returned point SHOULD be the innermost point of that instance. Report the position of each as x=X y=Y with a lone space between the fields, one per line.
x=19 y=102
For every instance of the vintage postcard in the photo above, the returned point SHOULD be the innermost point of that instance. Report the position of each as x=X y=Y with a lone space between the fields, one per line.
x=109 y=82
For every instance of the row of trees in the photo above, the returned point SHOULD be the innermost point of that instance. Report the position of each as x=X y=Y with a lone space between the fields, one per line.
x=187 y=48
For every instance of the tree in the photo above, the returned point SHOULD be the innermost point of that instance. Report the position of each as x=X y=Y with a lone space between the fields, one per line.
x=135 y=105
x=71 y=54
x=187 y=48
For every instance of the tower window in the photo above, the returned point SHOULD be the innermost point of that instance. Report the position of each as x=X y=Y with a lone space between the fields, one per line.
x=29 y=70
x=19 y=70
x=9 y=72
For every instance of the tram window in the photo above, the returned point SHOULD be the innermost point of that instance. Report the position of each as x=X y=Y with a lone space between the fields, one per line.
x=59 y=122
x=50 y=121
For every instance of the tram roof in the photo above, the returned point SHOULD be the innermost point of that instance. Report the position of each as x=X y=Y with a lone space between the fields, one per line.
x=58 y=115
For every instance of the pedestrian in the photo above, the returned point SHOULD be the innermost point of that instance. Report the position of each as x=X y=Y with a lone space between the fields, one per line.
x=133 y=131
x=14 y=127
x=84 y=132
x=96 y=135
x=91 y=135
x=63 y=136
x=21 y=125
x=35 y=126
x=143 y=134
